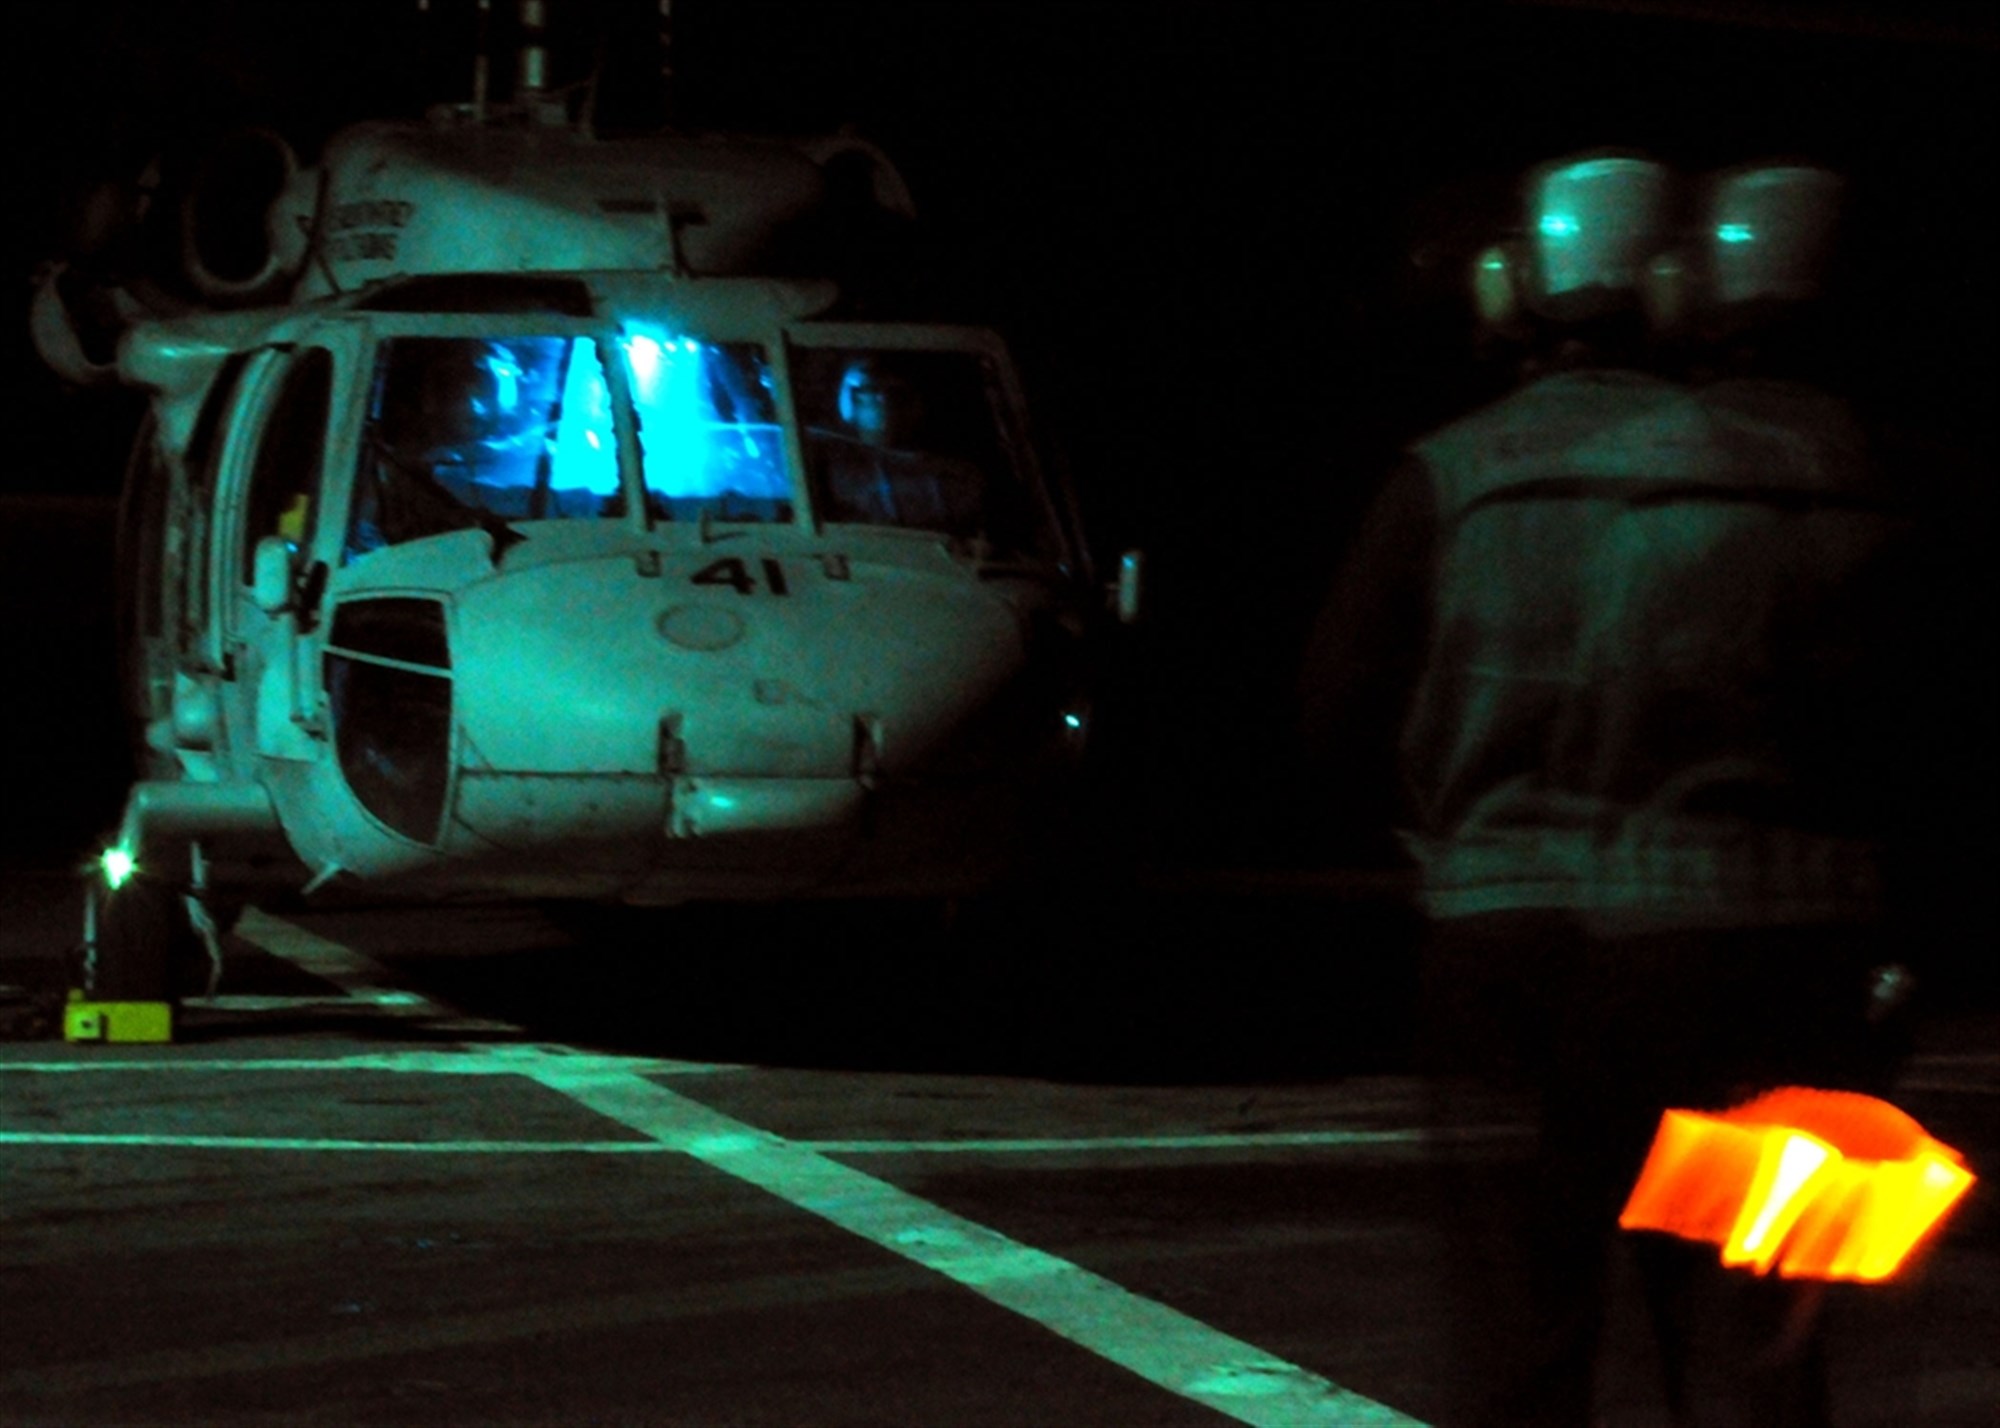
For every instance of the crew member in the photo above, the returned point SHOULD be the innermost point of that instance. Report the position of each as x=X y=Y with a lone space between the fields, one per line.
x=876 y=471
x=1639 y=645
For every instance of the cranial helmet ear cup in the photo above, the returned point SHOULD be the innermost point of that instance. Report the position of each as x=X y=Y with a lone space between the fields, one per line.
x=1593 y=221
x=1496 y=284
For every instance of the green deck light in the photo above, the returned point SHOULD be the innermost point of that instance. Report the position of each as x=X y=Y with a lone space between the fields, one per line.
x=118 y=868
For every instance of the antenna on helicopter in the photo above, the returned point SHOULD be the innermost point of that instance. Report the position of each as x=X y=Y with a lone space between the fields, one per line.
x=480 y=63
x=533 y=75
x=667 y=60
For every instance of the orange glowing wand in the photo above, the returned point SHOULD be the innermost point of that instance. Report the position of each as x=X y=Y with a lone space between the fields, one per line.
x=1821 y=1184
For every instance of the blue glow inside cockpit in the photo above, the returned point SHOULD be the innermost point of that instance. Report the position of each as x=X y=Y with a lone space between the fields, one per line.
x=535 y=438
x=1734 y=232
x=709 y=438
x=644 y=354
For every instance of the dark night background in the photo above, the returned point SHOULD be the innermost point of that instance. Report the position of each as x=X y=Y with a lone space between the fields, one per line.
x=1225 y=240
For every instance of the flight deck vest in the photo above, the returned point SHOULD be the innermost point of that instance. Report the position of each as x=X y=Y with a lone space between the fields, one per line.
x=1661 y=616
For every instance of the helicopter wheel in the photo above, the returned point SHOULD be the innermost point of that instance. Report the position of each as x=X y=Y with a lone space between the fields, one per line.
x=145 y=943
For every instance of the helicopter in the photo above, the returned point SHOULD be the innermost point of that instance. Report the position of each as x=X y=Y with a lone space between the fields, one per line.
x=505 y=528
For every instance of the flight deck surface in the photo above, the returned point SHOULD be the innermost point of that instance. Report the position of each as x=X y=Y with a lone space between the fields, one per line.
x=376 y=1182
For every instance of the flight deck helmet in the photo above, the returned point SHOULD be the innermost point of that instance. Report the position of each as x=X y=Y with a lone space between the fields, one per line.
x=1593 y=222
x=1759 y=257
x=1768 y=234
x=879 y=404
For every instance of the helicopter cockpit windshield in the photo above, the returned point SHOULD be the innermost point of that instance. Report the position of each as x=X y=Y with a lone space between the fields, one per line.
x=709 y=433
x=462 y=431
x=921 y=439
x=489 y=431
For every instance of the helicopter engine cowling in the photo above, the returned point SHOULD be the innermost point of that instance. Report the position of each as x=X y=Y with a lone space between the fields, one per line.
x=243 y=220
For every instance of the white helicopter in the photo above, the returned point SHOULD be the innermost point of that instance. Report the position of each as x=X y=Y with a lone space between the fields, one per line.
x=521 y=540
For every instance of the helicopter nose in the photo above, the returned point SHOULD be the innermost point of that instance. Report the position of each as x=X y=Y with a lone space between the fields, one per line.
x=551 y=681
x=596 y=709
x=579 y=669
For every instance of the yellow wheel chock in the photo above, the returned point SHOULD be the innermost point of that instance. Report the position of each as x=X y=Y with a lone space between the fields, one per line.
x=134 y=1022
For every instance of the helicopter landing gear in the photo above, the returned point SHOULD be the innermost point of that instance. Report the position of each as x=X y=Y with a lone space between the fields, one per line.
x=138 y=944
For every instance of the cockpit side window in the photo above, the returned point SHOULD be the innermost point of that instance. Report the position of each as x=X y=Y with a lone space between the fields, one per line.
x=919 y=439
x=462 y=431
x=284 y=482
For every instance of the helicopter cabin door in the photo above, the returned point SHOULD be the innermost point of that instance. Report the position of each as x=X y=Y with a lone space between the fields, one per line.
x=268 y=501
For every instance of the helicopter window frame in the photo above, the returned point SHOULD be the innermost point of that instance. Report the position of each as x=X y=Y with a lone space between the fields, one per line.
x=149 y=583
x=289 y=458
x=231 y=614
x=1013 y=425
x=197 y=640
